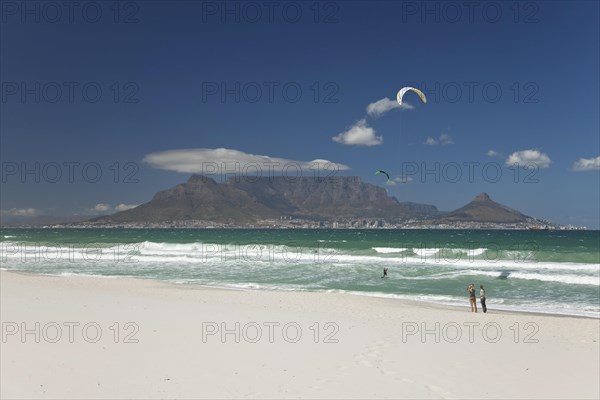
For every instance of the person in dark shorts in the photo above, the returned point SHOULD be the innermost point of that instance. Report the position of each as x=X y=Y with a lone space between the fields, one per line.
x=482 y=298
x=472 y=298
x=385 y=273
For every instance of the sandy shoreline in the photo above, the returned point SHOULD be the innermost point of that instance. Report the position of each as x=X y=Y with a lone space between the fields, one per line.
x=128 y=338
x=421 y=304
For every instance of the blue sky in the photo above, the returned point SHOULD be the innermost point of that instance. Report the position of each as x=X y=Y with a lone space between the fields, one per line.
x=518 y=79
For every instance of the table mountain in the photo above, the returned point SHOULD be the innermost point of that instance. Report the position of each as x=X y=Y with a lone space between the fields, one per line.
x=248 y=199
x=328 y=198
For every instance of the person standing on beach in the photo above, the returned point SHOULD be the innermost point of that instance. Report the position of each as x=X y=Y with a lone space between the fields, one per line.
x=482 y=298
x=472 y=299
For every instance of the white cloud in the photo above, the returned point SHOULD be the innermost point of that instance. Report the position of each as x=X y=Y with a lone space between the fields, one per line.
x=492 y=153
x=213 y=161
x=21 y=212
x=443 y=140
x=101 y=207
x=403 y=179
x=384 y=105
x=399 y=179
x=528 y=157
x=586 y=164
x=359 y=135
x=124 y=207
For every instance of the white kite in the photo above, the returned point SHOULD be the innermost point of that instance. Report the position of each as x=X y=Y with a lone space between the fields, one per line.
x=406 y=89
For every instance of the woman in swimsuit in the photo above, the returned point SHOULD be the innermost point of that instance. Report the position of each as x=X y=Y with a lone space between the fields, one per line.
x=472 y=298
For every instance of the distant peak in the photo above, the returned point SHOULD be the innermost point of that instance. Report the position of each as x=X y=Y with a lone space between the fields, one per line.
x=482 y=197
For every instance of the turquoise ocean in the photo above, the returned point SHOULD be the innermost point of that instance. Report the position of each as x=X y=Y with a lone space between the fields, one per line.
x=536 y=271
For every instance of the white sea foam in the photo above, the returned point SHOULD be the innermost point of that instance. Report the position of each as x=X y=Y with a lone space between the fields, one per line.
x=425 y=252
x=389 y=250
x=562 y=278
x=441 y=252
x=208 y=253
x=475 y=252
x=464 y=262
x=570 y=279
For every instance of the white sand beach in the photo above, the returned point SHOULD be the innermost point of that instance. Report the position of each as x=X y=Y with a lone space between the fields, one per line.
x=125 y=338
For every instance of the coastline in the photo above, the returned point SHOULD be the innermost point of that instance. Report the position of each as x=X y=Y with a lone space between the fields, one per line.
x=307 y=225
x=382 y=296
x=369 y=348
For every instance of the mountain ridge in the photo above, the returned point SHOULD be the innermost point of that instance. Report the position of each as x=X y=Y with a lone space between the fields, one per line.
x=249 y=199
x=343 y=201
x=483 y=209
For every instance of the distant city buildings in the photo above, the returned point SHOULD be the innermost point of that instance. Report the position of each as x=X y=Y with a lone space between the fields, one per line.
x=290 y=222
